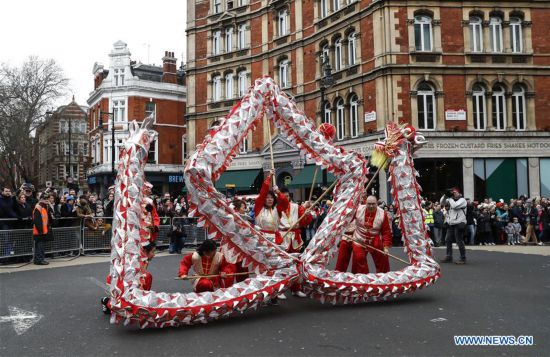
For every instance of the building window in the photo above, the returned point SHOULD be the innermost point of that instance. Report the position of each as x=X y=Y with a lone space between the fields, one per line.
x=149 y=109
x=71 y=170
x=327 y=113
x=325 y=54
x=119 y=110
x=119 y=77
x=476 y=34
x=184 y=148
x=353 y=116
x=216 y=88
x=335 y=5
x=426 y=107
x=423 y=33
x=352 y=48
x=229 y=4
x=499 y=108
x=216 y=39
x=518 y=107
x=243 y=83
x=63 y=126
x=243 y=146
x=338 y=55
x=152 y=155
x=282 y=22
x=228 y=86
x=217 y=6
x=229 y=39
x=340 y=123
x=84 y=151
x=478 y=98
x=324 y=8
x=241 y=39
x=495 y=25
x=516 y=35
x=284 y=81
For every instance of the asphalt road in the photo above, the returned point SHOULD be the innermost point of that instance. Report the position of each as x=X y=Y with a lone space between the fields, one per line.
x=495 y=294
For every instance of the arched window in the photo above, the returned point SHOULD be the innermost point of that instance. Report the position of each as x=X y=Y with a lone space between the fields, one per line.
x=229 y=39
x=423 y=33
x=495 y=25
x=478 y=99
x=338 y=54
x=352 y=48
x=354 y=116
x=323 y=8
x=284 y=81
x=518 y=107
x=243 y=83
x=216 y=39
x=325 y=53
x=327 y=113
x=426 y=106
x=216 y=88
x=229 y=86
x=516 y=35
x=340 y=123
x=335 y=5
x=476 y=34
x=282 y=19
x=499 y=107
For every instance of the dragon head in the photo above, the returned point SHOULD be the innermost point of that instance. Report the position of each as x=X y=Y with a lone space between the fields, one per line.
x=395 y=134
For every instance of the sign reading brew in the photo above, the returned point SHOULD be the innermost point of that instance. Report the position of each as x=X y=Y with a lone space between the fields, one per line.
x=370 y=116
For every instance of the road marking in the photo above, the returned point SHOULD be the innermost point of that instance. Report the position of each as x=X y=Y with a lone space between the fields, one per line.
x=21 y=320
x=439 y=319
x=103 y=286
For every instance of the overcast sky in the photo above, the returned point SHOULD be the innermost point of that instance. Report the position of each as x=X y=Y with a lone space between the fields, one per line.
x=78 y=33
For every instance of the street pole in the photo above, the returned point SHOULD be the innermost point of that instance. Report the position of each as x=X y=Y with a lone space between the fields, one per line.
x=112 y=116
x=70 y=149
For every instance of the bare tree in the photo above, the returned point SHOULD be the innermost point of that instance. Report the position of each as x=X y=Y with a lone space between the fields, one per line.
x=26 y=93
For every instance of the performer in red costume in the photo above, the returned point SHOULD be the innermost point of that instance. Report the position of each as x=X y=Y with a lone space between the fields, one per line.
x=207 y=261
x=146 y=281
x=268 y=210
x=372 y=227
x=151 y=219
x=292 y=242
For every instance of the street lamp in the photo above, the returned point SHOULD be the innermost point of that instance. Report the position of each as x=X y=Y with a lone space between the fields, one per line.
x=112 y=115
x=327 y=81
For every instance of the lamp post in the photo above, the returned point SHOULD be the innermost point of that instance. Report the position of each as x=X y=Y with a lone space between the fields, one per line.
x=327 y=81
x=112 y=115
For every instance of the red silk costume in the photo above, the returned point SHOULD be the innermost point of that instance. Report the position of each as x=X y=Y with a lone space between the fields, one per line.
x=292 y=242
x=268 y=218
x=371 y=228
x=207 y=266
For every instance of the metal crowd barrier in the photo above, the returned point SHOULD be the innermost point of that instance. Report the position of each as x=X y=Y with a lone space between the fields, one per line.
x=71 y=236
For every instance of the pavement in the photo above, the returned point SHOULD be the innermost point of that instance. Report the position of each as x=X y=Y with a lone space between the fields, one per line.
x=54 y=311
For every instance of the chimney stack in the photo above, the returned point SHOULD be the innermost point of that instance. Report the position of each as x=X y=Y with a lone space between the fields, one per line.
x=169 y=70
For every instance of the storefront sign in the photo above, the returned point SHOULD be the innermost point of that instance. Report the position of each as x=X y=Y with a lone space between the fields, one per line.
x=175 y=179
x=370 y=116
x=452 y=114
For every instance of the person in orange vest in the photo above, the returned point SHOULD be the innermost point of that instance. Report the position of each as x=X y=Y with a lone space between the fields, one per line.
x=41 y=228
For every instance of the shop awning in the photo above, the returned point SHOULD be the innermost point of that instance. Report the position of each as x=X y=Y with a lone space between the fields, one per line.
x=241 y=180
x=305 y=177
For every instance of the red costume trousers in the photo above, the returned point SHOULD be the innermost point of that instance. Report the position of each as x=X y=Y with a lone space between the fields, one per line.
x=359 y=264
x=207 y=285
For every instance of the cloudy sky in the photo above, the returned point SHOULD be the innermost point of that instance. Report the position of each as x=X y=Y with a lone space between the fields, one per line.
x=78 y=33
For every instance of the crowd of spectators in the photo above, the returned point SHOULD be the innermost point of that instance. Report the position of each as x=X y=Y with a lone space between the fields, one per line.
x=522 y=220
x=518 y=221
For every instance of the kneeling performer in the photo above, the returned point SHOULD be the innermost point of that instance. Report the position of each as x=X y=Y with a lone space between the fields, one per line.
x=207 y=261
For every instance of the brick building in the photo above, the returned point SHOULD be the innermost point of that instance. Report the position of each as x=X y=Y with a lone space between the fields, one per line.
x=472 y=76
x=62 y=148
x=128 y=90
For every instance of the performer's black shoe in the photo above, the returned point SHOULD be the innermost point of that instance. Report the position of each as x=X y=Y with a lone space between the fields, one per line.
x=104 y=307
x=461 y=262
x=446 y=260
